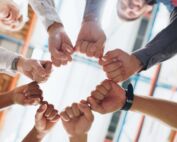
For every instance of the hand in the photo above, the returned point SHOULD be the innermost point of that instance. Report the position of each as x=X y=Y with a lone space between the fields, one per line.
x=119 y=65
x=38 y=71
x=60 y=45
x=91 y=39
x=29 y=94
x=10 y=17
x=45 y=119
x=108 y=97
x=77 y=119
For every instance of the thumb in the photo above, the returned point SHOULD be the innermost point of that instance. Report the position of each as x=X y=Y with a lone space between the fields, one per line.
x=47 y=65
x=40 y=112
x=85 y=109
x=116 y=88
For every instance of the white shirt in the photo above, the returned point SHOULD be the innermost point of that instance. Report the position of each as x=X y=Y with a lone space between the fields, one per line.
x=46 y=11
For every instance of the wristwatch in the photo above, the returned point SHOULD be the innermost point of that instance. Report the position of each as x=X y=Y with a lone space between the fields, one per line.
x=129 y=98
x=14 y=63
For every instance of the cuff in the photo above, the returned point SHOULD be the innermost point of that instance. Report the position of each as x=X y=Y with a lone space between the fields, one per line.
x=143 y=58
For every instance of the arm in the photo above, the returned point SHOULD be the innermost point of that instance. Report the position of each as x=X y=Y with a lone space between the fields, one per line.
x=153 y=107
x=34 y=69
x=82 y=138
x=45 y=9
x=119 y=65
x=93 y=9
x=29 y=94
x=77 y=121
x=162 y=47
x=45 y=119
x=60 y=45
x=109 y=97
x=91 y=38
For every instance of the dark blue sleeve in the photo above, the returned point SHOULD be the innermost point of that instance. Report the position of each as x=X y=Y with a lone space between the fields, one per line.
x=162 y=47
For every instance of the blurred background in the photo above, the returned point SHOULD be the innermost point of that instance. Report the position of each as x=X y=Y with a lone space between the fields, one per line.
x=75 y=81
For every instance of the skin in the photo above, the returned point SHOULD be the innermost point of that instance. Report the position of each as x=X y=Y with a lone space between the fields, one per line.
x=60 y=45
x=91 y=38
x=113 y=98
x=132 y=9
x=38 y=71
x=10 y=17
x=77 y=120
x=45 y=119
x=29 y=94
x=116 y=64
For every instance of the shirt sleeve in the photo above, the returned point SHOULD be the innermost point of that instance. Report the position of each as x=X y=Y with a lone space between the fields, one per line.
x=6 y=60
x=162 y=47
x=46 y=11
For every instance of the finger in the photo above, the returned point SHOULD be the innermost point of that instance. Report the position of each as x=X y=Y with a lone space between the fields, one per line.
x=49 y=110
x=47 y=65
x=106 y=61
x=118 y=78
x=69 y=112
x=83 y=48
x=57 y=54
x=94 y=105
x=32 y=101
x=64 y=48
x=101 y=89
x=97 y=95
x=112 y=67
x=100 y=48
x=64 y=116
x=106 y=84
x=78 y=45
x=54 y=120
x=56 y=62
x=86 y=111
x=75 y=110
x=40 y=112
x=52 y=115
x=114 y=74
x=38 y=69
x=67 y=48
x=91 y=50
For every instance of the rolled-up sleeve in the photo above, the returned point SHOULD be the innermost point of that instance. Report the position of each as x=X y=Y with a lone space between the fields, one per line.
x=162 y=47
x=6 y=60
x=46 y=11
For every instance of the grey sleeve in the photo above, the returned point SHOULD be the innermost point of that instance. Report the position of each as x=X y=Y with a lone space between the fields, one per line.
x=94 y=8
x=162 y=47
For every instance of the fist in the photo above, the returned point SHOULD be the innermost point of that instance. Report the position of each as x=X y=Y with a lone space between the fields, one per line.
x=107 y=97
x=10 y=17
x=38 y=71
x=45 y=119
x=60 y=45
x=91 y=39
x=119 y=65
x=77 y=119
x=29 y=94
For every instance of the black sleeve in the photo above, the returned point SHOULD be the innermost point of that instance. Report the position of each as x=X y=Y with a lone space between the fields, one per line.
x=162 y=47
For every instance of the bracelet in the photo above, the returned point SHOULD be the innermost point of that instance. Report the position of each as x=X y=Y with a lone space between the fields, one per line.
x=129 y=98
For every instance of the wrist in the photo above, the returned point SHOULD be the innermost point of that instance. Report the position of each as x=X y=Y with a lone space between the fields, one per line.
x=38 y=134
x=55 y=27
x=137 y=63
x=78 y=138
x=90 y=17
x=10 y=97
x=20 y=63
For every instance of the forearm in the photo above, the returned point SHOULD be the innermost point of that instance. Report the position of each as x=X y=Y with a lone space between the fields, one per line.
x=94 y=9
x=6 y=99
x=46 y=11
x=81 y=138
x=33 y=136
x=165 y=111
x=160 y=48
